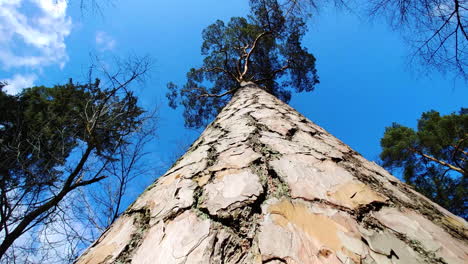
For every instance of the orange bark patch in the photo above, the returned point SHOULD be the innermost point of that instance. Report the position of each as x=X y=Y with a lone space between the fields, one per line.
x=220 y=174
x=317 y=226
x=167 y=180
x=353 y=194
x=201 y=181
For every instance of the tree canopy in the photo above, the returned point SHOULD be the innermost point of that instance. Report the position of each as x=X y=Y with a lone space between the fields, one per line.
x=434 y=159
x=264 y=47
x=54 y=140
x=42 y=125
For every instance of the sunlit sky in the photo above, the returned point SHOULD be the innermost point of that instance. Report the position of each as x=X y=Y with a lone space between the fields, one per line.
x=366 y=83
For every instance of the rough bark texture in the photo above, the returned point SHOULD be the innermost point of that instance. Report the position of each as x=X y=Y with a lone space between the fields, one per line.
x=263 y=184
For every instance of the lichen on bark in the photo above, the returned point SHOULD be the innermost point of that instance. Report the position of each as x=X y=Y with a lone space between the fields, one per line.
x=263 y=184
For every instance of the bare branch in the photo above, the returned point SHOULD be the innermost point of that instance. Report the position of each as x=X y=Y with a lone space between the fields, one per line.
x=251 y=51
x=441 y=162
x=219 y=69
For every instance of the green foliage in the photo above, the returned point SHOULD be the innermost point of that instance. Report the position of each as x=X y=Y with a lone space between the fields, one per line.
x=396 y=145
x=41 y=126
x=434 y=158
x=55 y=140
x=264 y=48
x=34 y=123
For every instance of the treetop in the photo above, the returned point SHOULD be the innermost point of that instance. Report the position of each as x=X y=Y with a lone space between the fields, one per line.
x=264 y=47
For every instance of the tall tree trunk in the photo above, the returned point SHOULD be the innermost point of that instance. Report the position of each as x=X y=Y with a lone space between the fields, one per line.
x=263 y=184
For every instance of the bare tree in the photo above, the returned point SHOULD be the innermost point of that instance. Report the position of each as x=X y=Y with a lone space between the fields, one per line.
x=105 y=203
x=435 y=30
x=81 y=218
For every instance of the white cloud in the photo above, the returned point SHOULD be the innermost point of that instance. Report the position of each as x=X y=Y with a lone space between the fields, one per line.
x=19 y=82
x=35 y=38
x=104 y=41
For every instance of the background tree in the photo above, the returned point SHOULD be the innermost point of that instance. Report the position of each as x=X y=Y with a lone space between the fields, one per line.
x=434 y=158
x=56 y=140
x=264 y=48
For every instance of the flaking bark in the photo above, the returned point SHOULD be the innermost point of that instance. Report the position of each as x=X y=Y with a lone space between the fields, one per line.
x=263 y=184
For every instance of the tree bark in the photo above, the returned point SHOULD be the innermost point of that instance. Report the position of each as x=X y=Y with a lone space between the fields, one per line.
x=263 y=184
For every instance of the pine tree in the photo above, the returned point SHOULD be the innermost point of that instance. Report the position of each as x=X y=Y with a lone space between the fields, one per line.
x=263 y=184
x=264 y=48
x=433 y=158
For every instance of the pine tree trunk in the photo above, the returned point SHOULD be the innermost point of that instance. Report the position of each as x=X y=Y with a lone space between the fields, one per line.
x=263 y=184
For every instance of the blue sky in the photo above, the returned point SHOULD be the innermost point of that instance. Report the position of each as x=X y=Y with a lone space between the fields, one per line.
x=366 y=83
